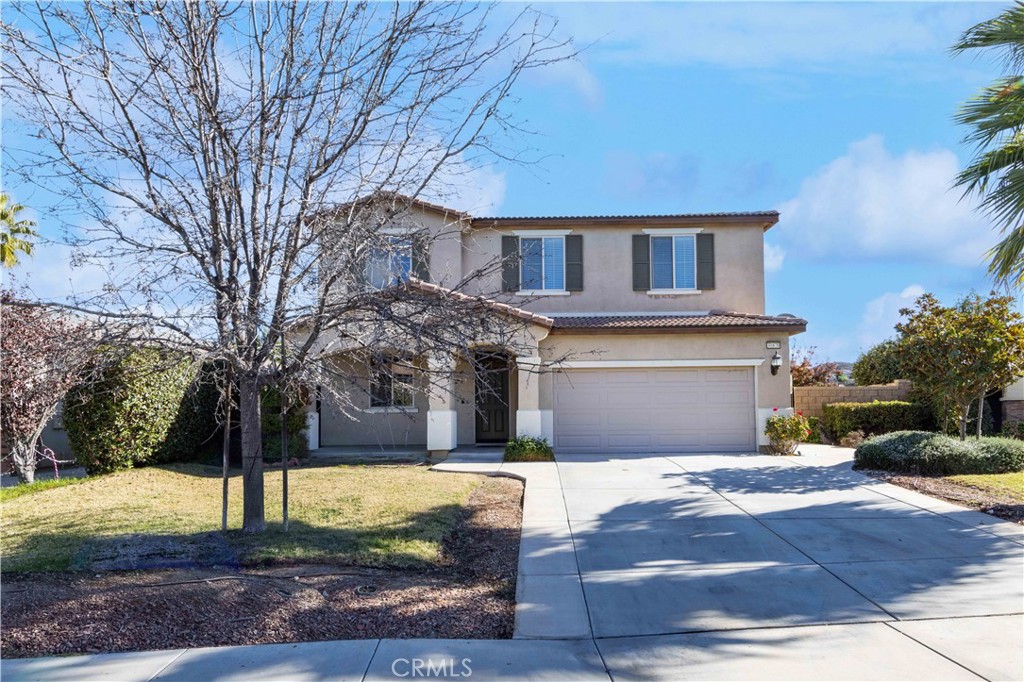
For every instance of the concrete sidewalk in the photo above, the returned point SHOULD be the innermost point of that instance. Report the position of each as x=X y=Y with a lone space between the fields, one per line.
x=691 y=567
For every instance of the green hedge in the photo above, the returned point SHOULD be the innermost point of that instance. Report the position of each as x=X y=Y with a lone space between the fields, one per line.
x=923 y=452
x=147 y=407
x=295 y=419
x=528 y=449
x=875 y=418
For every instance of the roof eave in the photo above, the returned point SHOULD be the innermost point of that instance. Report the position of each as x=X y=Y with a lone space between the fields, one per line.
x=710 y=329
x=763 y=220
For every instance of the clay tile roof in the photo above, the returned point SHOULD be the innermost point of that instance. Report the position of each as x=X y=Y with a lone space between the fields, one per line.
x=724 y=214
x=720 y=320
x=504 y=308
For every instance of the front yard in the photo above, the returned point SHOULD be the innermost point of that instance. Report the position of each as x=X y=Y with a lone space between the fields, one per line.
x=1000 y=495
x=136 y=560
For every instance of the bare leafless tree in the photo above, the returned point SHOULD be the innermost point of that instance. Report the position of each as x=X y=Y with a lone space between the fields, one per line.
x=204 y=141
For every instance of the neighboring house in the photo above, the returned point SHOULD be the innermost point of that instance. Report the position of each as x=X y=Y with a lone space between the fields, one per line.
x=1012 y=401
x=663 y=317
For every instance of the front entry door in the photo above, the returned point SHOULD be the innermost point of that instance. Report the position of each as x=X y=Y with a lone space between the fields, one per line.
x=492 y=401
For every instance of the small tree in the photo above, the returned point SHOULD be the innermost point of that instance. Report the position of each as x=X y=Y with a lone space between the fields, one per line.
x=956 y=355
x=41 y=355
x=880 y=364
x=806 y=372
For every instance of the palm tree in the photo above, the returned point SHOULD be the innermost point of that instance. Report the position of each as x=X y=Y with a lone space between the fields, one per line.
x=15 y=233
x=996 y=118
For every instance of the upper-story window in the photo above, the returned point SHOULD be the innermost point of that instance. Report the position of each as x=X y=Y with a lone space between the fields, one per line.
x=674 y=262
x=542 y=264
x=390 y=263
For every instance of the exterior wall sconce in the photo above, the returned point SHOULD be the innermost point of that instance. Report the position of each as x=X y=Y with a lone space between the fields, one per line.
x=776 y=363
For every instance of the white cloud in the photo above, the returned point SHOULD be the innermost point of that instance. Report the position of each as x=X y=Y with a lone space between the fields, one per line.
x=773 y=257
x=882 y=313
x=871 y=204
x=572 y=75
x=764 y=35
x=661 y=174
x=479 y=190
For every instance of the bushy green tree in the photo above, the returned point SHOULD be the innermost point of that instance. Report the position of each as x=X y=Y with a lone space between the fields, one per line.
x=955 y=355
x=145 y=407
x=880 y=364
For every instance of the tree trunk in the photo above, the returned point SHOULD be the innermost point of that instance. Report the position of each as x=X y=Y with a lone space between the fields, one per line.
x=253 y=520
x=23 y=455
x=965 y=411
x=981 y=412
x=226 y=458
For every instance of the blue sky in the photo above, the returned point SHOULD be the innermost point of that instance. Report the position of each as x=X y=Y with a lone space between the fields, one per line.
x=838 y=115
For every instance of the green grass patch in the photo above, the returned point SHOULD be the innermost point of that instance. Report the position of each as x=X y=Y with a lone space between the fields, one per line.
x=17 y=491
x=387 y=516
x=1010 y=485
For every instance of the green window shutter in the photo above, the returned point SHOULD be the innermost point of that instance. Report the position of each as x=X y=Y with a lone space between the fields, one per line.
x=420 y=258
x=641 y=262
x=705 y=261
x=574 y=262
x=509 y=263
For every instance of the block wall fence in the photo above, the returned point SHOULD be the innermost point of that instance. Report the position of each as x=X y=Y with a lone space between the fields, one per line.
x=811 y=400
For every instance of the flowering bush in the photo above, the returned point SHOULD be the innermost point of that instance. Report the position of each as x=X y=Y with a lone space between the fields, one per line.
x=786 y=431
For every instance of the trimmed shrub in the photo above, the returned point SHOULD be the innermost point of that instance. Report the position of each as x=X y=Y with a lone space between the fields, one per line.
x=852 y=440
x=295 y=419
x=1013 y=430
x=785 y=432
x=528 y=449
x=876 y=418
x=147 y=407
x=814 y=431
x=923 y=452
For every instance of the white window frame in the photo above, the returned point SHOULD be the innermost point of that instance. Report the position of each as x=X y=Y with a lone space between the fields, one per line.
x=399 y=373
x=403 y=240
x=674 y=235
x=542 y=236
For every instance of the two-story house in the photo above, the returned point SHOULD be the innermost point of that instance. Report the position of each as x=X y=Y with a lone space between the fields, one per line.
x=662 y=319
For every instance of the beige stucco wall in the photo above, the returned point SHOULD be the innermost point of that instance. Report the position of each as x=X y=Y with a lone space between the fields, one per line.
x=1014 y=391
x=773 y=391
x=361 y=426
x=373 y=428
x=608 y=272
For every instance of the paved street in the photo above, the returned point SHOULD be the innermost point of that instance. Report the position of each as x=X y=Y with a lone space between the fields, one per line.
x=696 y=567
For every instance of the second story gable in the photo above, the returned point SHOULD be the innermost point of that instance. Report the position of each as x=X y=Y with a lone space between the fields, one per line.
x=634 y=264
x=587 y=264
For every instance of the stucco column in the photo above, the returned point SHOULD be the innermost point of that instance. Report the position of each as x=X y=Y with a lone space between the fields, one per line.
x=530 y=419
x=442 y=431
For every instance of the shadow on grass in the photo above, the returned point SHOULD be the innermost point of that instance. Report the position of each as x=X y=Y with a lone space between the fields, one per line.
x=413 y=543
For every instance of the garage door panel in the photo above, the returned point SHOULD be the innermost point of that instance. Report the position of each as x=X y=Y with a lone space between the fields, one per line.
x=730 y=376
x=681 y=376
x=664 y=409
x=580 y=419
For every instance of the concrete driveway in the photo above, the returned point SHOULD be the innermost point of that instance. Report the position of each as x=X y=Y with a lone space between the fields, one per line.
x=711 y=566
x=703 y=567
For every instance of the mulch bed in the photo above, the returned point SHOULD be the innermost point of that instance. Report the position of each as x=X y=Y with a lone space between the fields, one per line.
x=472 y=596
x=1000 y=506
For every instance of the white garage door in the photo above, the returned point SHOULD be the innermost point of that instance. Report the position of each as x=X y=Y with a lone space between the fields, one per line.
x=655 y=410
